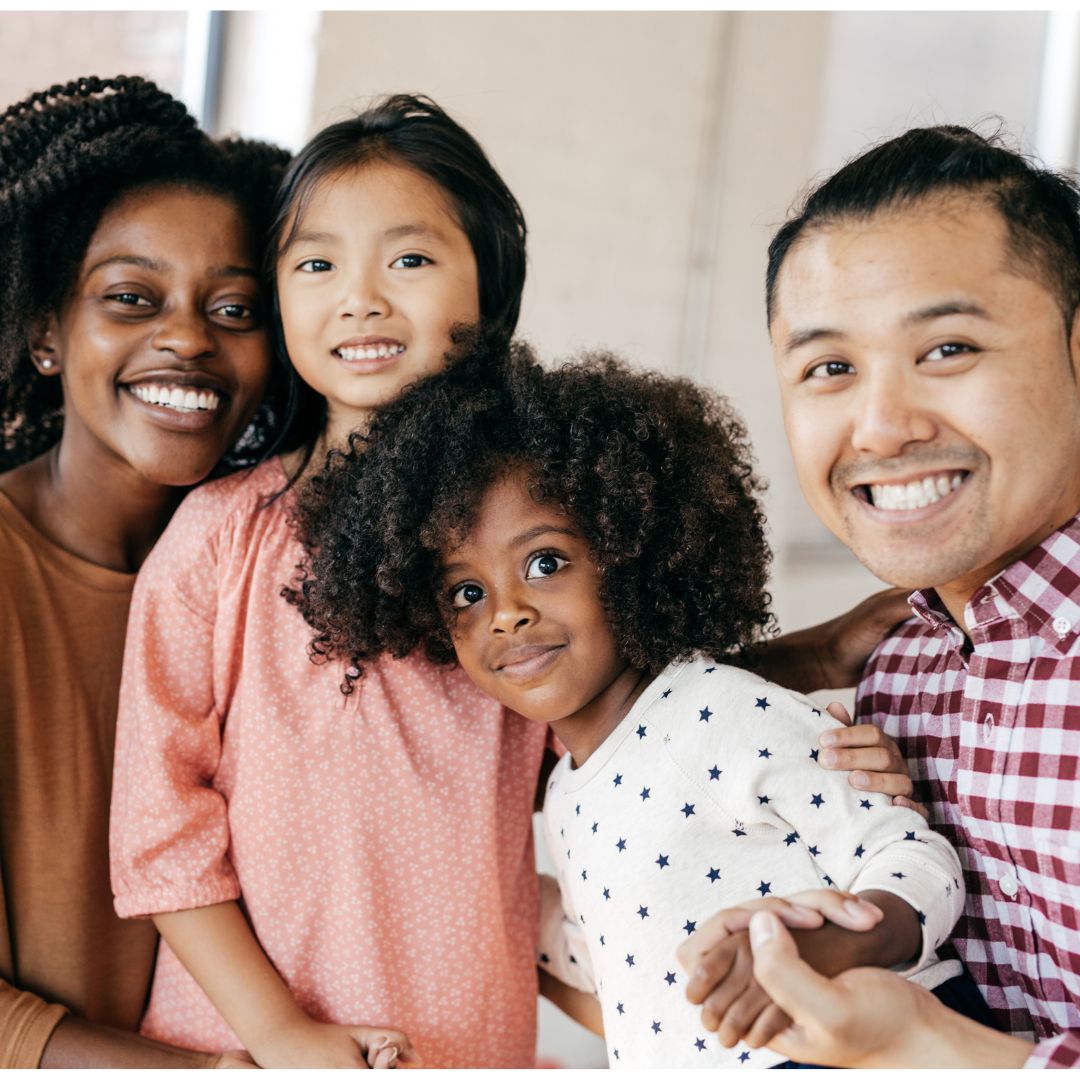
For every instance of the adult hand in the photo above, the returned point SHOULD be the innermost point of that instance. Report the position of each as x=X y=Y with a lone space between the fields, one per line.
x=865 y=1017
x=871 y=758
x=718 y=960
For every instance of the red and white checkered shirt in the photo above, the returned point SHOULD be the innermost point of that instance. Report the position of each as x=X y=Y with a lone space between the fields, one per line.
x=991 y=733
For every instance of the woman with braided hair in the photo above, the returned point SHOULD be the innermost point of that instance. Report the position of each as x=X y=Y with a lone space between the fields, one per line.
x=132 y=360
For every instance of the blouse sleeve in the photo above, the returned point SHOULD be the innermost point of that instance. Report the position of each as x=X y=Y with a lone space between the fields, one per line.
x=169 y=833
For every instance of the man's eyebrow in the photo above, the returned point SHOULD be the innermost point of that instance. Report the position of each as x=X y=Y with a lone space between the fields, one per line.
x=945 y=307
x=234 y=271
x=799 y=338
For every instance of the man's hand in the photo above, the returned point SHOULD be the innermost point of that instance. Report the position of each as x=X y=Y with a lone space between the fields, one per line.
x=865 y=1017
x=872 y=759
x=718 y=959
x=832 y=654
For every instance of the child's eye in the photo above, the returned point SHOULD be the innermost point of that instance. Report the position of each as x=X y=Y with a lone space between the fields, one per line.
x=830 y=369
x=409 y=262
x=315 y=266
x=544 y=565
x=466 y=595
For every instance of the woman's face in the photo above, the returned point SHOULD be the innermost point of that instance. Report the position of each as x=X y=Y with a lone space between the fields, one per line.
x=160 y=342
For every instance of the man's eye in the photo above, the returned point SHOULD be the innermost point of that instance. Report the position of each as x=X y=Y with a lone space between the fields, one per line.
x=315 y=266
x=409 y=262
x=544 y=565
x=949 y=349
x=830 y=369
x=235 y=311
x=466 y=595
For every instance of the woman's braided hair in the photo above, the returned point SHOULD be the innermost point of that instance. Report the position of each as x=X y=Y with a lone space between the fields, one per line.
x=67 y=153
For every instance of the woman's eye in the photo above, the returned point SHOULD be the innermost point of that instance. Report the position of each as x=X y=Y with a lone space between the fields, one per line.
x=949 y=349
x=129 y=299
x=466 y=595
x=315 y=266
x=830 y=369
x=409 y=262
x=235 y=310
x=544 y=566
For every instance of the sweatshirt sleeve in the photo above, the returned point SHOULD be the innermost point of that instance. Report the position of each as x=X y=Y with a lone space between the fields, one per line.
x=563 y=951
x=169 y=831
x=26 y=1025
x=858 y=841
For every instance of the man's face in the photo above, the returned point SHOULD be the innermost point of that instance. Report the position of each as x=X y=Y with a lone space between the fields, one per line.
x=930 y=392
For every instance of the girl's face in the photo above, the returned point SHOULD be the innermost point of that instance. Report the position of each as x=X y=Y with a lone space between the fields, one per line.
x=377 y=273
x=528 y=624
x=159 y=344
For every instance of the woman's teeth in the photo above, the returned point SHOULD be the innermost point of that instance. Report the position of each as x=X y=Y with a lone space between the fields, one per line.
x=182 y=398
x=917 y=494
x=368 y=352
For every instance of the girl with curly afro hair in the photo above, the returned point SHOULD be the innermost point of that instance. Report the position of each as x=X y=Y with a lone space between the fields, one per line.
x=587 y=543
x=132 y=360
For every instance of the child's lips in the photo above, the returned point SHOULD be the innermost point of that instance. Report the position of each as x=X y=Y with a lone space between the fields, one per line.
x=527 y=661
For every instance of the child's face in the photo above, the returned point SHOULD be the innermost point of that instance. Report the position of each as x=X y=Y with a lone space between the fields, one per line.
x=370 y=286
x=160 y=342
x=528 y=625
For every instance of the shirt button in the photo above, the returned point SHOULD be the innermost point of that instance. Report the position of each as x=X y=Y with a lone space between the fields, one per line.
x=988 y=727
x=1009 y=886
x=1062 y=626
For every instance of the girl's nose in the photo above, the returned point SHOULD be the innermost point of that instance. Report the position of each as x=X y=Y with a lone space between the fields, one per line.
x=363 y=298
x=511 y=613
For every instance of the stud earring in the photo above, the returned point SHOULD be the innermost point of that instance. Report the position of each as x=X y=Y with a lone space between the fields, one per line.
x=46 y=363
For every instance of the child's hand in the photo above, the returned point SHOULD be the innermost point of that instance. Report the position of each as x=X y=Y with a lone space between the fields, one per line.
x=310 y=1044
x=718 y=961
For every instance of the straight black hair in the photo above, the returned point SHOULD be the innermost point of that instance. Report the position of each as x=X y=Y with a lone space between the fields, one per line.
x=413 y=131
x=1040 y=206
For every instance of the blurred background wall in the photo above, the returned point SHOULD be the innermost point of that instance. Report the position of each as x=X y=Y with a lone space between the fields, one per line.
x=653 y=154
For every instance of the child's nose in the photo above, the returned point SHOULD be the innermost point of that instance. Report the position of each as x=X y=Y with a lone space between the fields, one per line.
x=363 y=297
x=511 y=615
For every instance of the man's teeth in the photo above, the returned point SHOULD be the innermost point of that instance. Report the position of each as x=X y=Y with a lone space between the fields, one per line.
x=917 y=494
x=369 y=352
x=181 y=398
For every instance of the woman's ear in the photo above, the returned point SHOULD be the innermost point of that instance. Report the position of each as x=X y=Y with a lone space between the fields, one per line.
x=42 y=343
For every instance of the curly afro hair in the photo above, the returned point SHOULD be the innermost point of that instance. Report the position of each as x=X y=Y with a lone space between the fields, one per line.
x=656 y=472
x=67 y=153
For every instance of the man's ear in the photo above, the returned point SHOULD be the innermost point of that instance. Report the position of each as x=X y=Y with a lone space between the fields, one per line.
x=42 y=341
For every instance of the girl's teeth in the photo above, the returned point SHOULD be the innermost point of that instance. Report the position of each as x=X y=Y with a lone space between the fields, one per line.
x=369 y=352
x=180 y=398
x=915 y=495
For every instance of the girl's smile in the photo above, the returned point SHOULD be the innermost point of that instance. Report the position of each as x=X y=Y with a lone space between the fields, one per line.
x=370 y=281
x=527 y=621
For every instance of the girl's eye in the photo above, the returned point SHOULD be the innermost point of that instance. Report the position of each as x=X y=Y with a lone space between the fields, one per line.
x=948 y=350
x=544 y=565
x=466 y=595
x=315 y=266
x=830 y=369
x=129 y=299
x=409 y=262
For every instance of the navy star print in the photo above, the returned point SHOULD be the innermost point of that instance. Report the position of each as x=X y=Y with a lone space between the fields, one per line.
x=813 y=755
x=641 y=731
x=700 y=1044
x=666 y=693
x=764 y=753
x=816 y=800
x=713 y=874
x=669 y=978
x=762 y=704
x=662 y=861
x=621 y=845
x=643 y=911
x=689 y=926
x=714 y=773
x=765 y=887
x=618 y=779
x=864 y=803
x=688 y=809
x=629 y=959
x=860 y=851
x=790 y=839
x=644 y=793
x=656 y=1027
x=620 y=1008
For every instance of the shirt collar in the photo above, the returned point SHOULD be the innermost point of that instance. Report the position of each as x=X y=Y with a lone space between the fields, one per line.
x=1041 y=589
